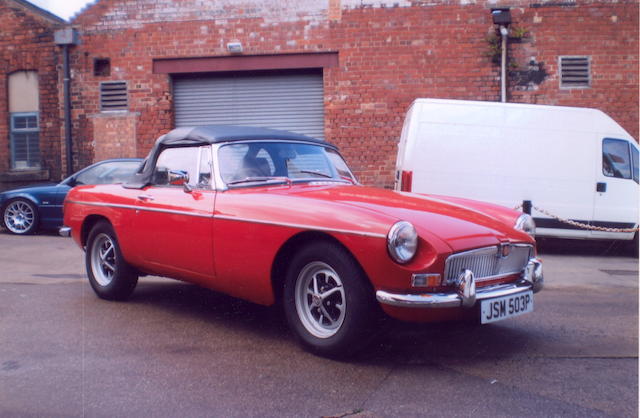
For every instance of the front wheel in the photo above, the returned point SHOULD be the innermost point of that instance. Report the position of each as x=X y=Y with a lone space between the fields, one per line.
x=328 y=301
x=109 y=274
x=20 y=217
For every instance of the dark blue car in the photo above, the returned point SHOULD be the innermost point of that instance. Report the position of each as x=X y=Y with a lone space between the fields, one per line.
x=26 y=210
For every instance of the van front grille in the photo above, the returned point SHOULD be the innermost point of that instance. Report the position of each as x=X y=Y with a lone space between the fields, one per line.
x=488 y=263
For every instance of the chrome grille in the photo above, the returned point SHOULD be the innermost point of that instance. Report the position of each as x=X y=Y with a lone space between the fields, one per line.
x=488 y=263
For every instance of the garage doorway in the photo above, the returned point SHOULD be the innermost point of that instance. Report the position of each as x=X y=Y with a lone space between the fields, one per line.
x=289 y=100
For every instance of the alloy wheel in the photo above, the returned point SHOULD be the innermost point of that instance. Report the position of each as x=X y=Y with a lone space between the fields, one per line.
x=19 y=217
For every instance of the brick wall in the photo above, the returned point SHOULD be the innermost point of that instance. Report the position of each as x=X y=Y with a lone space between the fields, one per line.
x=26 y=43
x=114 y=135
x=389 y=54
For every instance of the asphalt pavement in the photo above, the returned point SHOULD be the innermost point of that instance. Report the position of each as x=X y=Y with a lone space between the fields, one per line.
x=176 y=349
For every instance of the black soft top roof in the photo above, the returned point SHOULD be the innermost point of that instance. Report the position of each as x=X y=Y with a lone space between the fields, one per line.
x=210 y=134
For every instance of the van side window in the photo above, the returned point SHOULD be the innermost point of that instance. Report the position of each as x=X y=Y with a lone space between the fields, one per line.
x=634 y=159
x=616 y=161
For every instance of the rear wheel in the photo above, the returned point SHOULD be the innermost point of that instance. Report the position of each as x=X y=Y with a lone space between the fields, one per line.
x=109 y=274
x=328 y=301
x=20 y=217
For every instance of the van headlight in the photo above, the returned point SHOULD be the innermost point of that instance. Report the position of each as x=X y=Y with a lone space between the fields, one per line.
x=525 y=223
x=402 y=242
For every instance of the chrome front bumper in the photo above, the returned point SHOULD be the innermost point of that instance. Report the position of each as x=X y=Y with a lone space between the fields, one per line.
x=64 y=231
x=465 y=293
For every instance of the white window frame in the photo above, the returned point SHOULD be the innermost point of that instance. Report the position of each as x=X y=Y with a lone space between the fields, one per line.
x=31 y=130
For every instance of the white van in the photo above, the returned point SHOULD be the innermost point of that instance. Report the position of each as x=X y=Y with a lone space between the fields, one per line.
x=572 y=163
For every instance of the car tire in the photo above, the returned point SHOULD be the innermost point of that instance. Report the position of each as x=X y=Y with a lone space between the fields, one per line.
x=328 y=301
x=20 y=217
x=109 y=274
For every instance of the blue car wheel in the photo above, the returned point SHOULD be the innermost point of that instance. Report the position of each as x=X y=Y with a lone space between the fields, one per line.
x=20 y=217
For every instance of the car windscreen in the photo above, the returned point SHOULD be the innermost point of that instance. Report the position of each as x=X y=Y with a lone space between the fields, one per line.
x=109 y=172
x=294 y=161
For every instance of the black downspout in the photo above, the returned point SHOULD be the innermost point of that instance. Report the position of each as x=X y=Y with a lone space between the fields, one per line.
x=67 y=109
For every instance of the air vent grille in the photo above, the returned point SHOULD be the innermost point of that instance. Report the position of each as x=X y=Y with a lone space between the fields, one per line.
x=113 y=95
x=575 y=72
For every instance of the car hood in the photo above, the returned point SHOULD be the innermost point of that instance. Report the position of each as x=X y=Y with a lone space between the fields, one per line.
x=36 y=188
x=461 y=224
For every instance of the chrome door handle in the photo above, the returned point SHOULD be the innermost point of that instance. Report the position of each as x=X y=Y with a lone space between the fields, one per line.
x=145 y=197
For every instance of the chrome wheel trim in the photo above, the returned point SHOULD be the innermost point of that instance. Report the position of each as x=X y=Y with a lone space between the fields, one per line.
x=19 y=216
x=320 y=299
x=103 y=259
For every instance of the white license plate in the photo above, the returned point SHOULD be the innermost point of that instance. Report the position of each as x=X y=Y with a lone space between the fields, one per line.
x=497 y=309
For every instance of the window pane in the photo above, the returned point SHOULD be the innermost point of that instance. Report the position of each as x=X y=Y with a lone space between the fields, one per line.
x=231 y=157
x=340 y=165
x=19 y=122
x=310 y=162
x=32 y=122
x=615 y=158
x=113 y=172
x=270 y=159
x=25 y=150
x=25 y=122
x=204 y=176
x=634 y=157
x=176 y=159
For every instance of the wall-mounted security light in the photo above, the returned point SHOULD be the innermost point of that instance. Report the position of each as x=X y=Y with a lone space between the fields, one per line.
x=501 y=16
x=234 y=47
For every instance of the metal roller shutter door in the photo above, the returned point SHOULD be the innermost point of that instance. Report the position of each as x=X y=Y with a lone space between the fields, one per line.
x=292 y=102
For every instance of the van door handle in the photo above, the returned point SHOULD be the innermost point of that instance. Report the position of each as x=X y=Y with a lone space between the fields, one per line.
x=601 y=187
x=145 y=197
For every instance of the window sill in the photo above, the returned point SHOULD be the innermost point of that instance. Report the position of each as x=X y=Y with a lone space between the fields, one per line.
x=30 y=175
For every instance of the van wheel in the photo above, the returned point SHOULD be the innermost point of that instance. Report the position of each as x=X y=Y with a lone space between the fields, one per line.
x=109 y=274
x=328 y=301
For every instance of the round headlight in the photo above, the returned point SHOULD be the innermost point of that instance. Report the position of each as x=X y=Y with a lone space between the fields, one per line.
x=525 y=223
x=402 y=242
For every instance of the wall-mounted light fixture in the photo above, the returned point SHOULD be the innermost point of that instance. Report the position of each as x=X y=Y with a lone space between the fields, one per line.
x=234 y=47
x=501 y=16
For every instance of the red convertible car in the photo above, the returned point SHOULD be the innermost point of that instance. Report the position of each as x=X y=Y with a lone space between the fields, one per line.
x=275 y=217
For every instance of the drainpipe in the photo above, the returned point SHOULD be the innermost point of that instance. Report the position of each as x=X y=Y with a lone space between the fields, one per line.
x=65 y=38
x=502 y=18
x=503 y=65
x=67 y=109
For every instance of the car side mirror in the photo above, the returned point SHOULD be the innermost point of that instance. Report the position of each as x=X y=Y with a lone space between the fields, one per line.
x=178 y=177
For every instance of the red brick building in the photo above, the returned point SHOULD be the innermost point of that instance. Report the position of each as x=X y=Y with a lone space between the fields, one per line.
x=343 y=69
x=29 y=106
